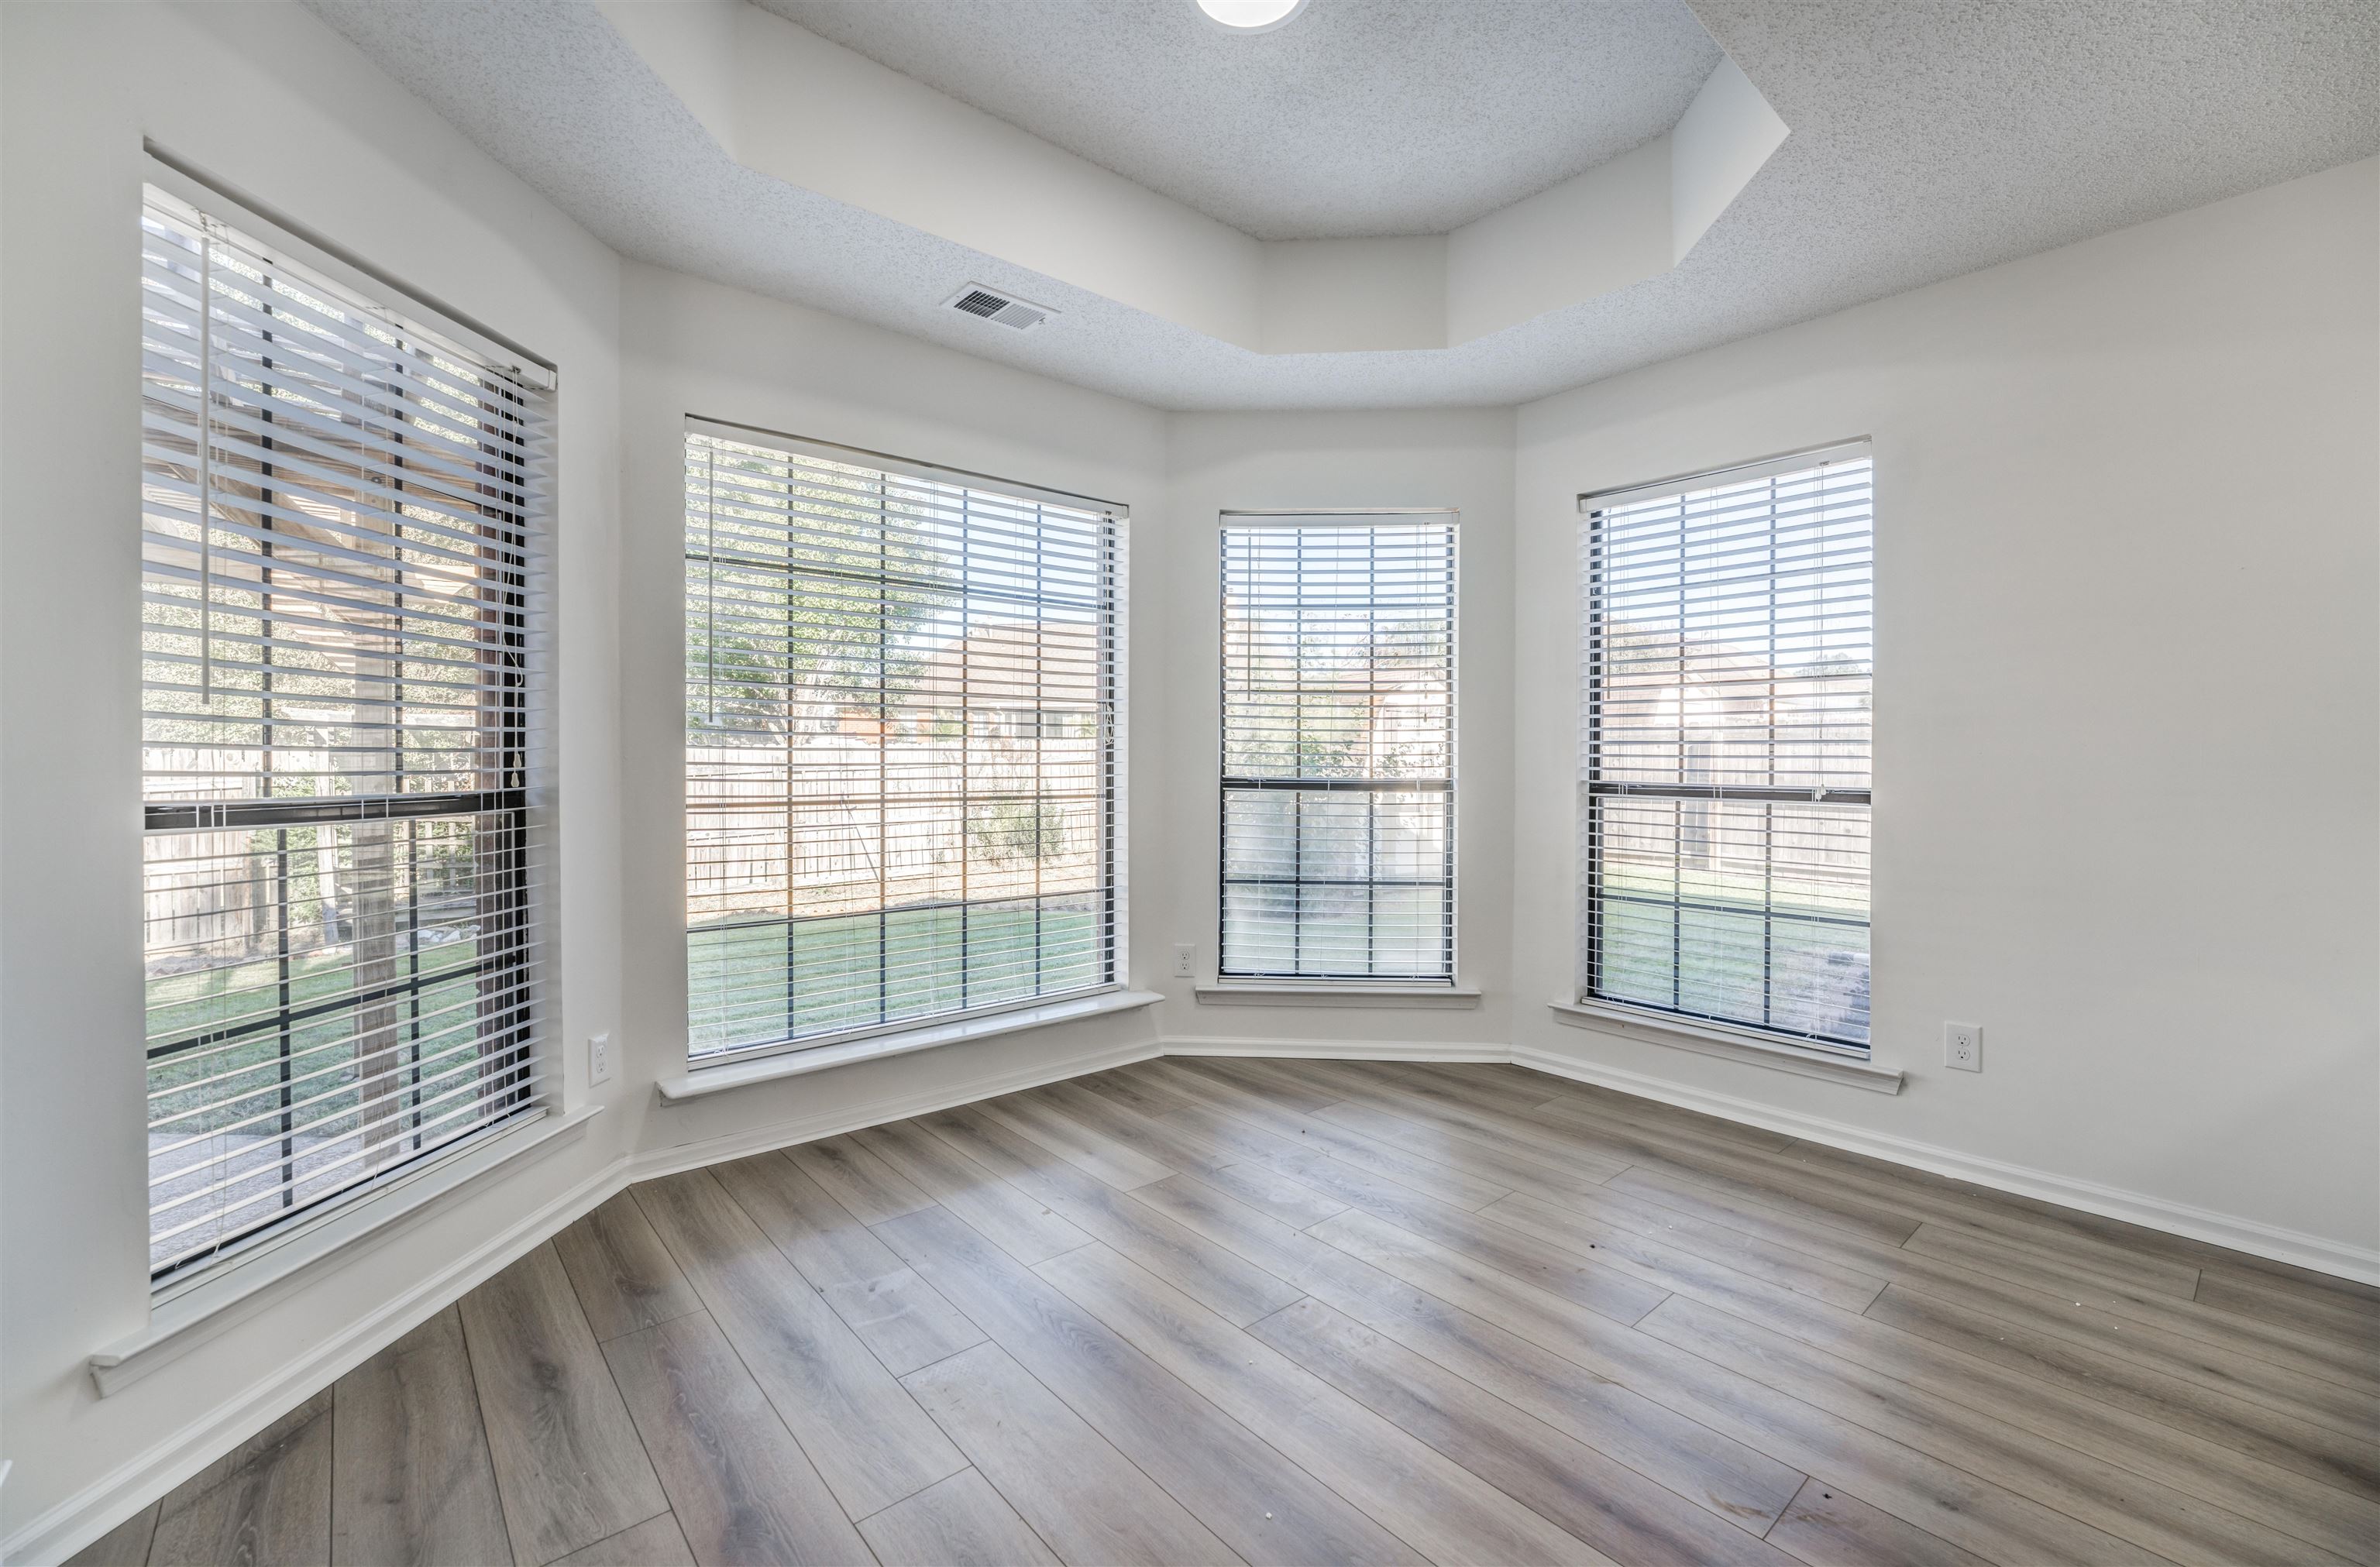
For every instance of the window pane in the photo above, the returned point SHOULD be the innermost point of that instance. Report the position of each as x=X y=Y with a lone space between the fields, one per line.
x=900 y=754
x=339 y=661
x=1337 y=750
x=1725 y=750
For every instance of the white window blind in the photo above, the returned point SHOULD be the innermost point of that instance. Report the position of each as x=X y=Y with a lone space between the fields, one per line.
x=1338 y=788
x=343 y=521
x=901 y=743
x=1725 y=741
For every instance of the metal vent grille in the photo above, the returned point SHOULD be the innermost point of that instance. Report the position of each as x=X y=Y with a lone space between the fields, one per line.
x=1008 y=313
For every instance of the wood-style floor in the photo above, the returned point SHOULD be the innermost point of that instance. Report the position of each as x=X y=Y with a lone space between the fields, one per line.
x=1300 y=1312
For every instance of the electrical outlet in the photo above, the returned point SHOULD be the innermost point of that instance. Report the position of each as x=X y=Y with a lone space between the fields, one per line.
x=1186 y=961
x=600 y=1067
x=1962 y=1046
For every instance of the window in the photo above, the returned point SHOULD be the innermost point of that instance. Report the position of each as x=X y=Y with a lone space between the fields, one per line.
x=900 y=742
x=343 y=518
x=1338 y=853
x=1729 y=657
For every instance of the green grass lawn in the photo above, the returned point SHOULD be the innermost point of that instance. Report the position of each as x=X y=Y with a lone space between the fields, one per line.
x=245 y=1075
x=781 y=980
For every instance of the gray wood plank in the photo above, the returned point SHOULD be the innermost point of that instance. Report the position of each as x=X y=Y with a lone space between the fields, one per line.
x=1432 y=1504
x=1274 y=1195
x=741 y=1488
x=653 y=1543
x=2317 y=1451
x=1115 y=1118
x=266 y=1503
x=1218 y=1091
x=961 y=1522
x=1604 y=1502
x=411 y=1480
x=567 y=1460
x=1081 y=1144
x=1732 y=1478
x=894 y=1311
x=623 y=1273
x=1827 y=1528
x=870 y=1188
x=869 y=1440
x=2179 y=1525
x=1024 y=1227
x=1259 y=1504
x=127 y=1545
x=1238 y=1290
x=1068 y=1483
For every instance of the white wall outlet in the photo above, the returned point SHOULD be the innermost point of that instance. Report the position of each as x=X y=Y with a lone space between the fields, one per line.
x=1186 y=961
x=1962 y=1046
x=600 y=1065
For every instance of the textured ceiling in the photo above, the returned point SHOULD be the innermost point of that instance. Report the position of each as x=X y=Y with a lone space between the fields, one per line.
x=1928 y=140
x=1360 y=117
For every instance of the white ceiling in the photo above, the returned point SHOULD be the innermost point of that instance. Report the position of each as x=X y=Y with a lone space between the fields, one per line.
x=1927 y=140
x=1359 y=117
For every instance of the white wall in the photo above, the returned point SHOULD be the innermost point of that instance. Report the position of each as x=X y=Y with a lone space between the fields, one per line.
x=694 y=347
x=2128 y=772
x=270 y=101
x=1325 y=461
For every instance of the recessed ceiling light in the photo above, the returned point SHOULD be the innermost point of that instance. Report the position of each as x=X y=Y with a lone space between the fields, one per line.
x=1251 y=16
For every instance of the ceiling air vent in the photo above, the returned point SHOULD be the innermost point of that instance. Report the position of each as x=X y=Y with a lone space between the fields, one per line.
x=977 y=300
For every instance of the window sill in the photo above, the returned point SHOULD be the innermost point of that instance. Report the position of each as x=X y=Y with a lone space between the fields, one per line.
x=1264 y=992
x=1727 y=1044
x=183 y=1318
x=719 y=1076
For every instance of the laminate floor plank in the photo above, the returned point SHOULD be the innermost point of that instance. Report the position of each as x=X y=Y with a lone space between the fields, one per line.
x=892 y=1310
x=2316 y=1452
x=2352 y=1362
x=2310 y=1311
x=1488 y=1254
x=2035 y=1299
x=1087 y=1501
x=872 y=1190
x=1258 y=1502
x=656 y=1542
x=127 y=1545
x=1238 y=1291
x=1027 y=1229
x=411 y=1479
x=1606 y=1503
x=742 y=1489
x=961 y=1522
x=1689 y=1456
x=1912 y=1484
x=1121 y=1119
x=1432 y=1504
x=1274 y=1195
x=864 y=1435
x=1827 y=1528
x=266 y=1503
x=568 y=1464
x=1037 y=1115
x=1222 y=1093
x=2179 y=1525
x=1503 y=1166
x=623 y=1275
x=1675 y=1267
x=1258 y=1076
x=2048 y=1405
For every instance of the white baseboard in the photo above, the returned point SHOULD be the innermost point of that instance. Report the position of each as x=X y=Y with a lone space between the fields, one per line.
x=81 y=1518
x=2270 y=1241
x=91 y=1512
x=1331 y=1050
